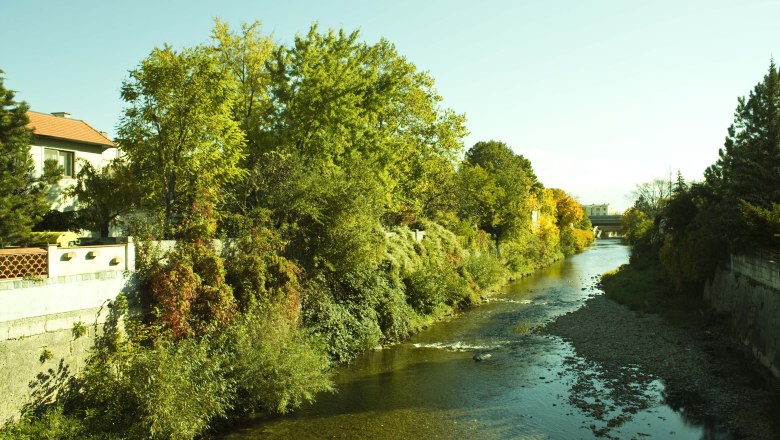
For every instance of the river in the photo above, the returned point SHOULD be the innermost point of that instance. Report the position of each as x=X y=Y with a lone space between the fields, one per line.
x=430 y=387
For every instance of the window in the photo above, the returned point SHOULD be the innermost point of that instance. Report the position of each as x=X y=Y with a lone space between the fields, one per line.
x=62 y=158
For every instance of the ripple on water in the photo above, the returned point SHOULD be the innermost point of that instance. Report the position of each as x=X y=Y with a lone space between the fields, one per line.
x=507 y=300
x=460 y=346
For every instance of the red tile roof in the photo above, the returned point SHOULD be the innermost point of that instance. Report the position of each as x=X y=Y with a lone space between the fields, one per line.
x=43 y=124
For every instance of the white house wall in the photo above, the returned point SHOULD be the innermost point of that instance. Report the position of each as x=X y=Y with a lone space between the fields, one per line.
x=94 y=154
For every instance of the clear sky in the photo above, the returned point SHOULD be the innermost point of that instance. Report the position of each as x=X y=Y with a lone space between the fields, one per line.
x=599 y=95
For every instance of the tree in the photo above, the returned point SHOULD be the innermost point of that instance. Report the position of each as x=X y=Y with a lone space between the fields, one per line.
x=338 y=101
x=569 y=212
x=178 y=131
x=22 y=202
x=649 y=197
x=103 y=195
x=748 y=167
x=498 y=188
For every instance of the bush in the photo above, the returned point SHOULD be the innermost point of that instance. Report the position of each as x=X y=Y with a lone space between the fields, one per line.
x=49 y=425
x=346 y=328
x=274 y=365
x=486 y=269
x=170 y=391
x=430 y=290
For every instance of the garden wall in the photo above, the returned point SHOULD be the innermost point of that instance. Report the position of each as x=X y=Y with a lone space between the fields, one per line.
x=748 y=292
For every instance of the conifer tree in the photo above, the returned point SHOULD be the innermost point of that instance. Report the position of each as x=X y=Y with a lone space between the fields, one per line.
x=749 y=164
x=22 y=202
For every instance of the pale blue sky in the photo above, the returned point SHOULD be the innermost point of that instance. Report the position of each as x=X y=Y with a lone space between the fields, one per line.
x=598 y=95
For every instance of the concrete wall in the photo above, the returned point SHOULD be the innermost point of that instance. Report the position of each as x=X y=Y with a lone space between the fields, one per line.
x=38 y=315
x=90 y=259
x=749 y=294
x=27 y=378
x=29 y=308
x=764 y=270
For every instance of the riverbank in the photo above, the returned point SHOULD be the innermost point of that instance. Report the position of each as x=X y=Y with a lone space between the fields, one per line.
x=705 y=373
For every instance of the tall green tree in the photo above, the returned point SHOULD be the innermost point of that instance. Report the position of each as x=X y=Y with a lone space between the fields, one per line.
x=748 y=166
x=178 y=130
x=244 y=54
x=499 y=189
x=22 y=202
x=338 y=100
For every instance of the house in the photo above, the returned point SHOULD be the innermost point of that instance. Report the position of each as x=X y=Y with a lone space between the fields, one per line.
x=68 y=141
x=597 y=210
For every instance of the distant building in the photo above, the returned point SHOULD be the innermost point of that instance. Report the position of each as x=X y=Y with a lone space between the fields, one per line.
x=597 y=210
x=58 y=137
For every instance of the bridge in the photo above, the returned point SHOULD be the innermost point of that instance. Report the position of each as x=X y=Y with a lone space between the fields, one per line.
x=606 y=226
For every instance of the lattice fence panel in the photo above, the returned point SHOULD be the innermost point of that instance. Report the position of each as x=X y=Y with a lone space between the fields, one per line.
x=20 y=263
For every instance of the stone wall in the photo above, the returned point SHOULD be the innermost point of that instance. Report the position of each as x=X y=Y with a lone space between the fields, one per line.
x=39 y=316
x=749 y=294
x=762 y=268
x=29 y=376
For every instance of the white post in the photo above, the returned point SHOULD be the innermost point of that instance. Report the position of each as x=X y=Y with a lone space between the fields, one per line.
x=130 y=255
x=52 y=263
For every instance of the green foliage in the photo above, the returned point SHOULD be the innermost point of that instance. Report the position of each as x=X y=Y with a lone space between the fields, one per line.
x=46 y=355
x=59 y=221
x=78 y=330
x=762 y=225
x=52 y=424
x=275 y=365
x=339 y=100
x=748 y=166
x=103 y=194
x=690 y=229
x=52 y=171
x=636 y=225
x=254 y=267
x=163 y=389
x=486 y=269
x=190 y=290
x=178 y=132
x=497 y=189
x=162 y=392
x=22 y=202
x=346 y=327
x=429 y=289
x=574 y=227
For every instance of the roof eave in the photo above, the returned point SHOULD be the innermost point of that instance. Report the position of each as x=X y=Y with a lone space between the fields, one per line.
x=105 y=146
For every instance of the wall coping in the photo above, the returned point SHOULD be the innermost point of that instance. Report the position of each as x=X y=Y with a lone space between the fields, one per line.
x=63 y=279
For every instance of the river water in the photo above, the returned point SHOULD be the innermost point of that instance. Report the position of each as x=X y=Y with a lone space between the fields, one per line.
x=430 y=387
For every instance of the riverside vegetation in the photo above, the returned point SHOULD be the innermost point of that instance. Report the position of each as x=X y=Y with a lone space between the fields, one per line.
x=313 y=163
x=681 y=232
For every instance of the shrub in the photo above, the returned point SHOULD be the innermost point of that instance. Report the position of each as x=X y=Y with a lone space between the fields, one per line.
x=346 y=328
x=486 y=269
x=275 y=365
x=170 y=391
x=49 y=425
x=431 y=289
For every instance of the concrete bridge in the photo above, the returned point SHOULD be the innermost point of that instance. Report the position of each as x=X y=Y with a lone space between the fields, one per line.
x=606 y=226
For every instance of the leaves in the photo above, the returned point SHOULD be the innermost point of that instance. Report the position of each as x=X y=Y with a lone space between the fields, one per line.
x=178 y=131
x=22 y=201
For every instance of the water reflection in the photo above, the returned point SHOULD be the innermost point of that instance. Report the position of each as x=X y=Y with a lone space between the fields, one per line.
x=532 y=386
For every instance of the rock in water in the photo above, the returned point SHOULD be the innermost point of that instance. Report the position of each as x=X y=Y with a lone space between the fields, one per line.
x=481 y=356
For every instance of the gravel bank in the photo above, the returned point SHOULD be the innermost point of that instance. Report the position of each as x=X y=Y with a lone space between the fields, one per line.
x=704 y=372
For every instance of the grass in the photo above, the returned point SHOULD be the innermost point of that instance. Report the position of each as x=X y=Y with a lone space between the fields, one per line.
x=650 y=290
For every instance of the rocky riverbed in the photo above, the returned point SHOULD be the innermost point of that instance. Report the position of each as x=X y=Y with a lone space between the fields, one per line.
x=705 y=374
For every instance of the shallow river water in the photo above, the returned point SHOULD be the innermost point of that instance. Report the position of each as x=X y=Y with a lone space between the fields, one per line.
x=430 y=387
